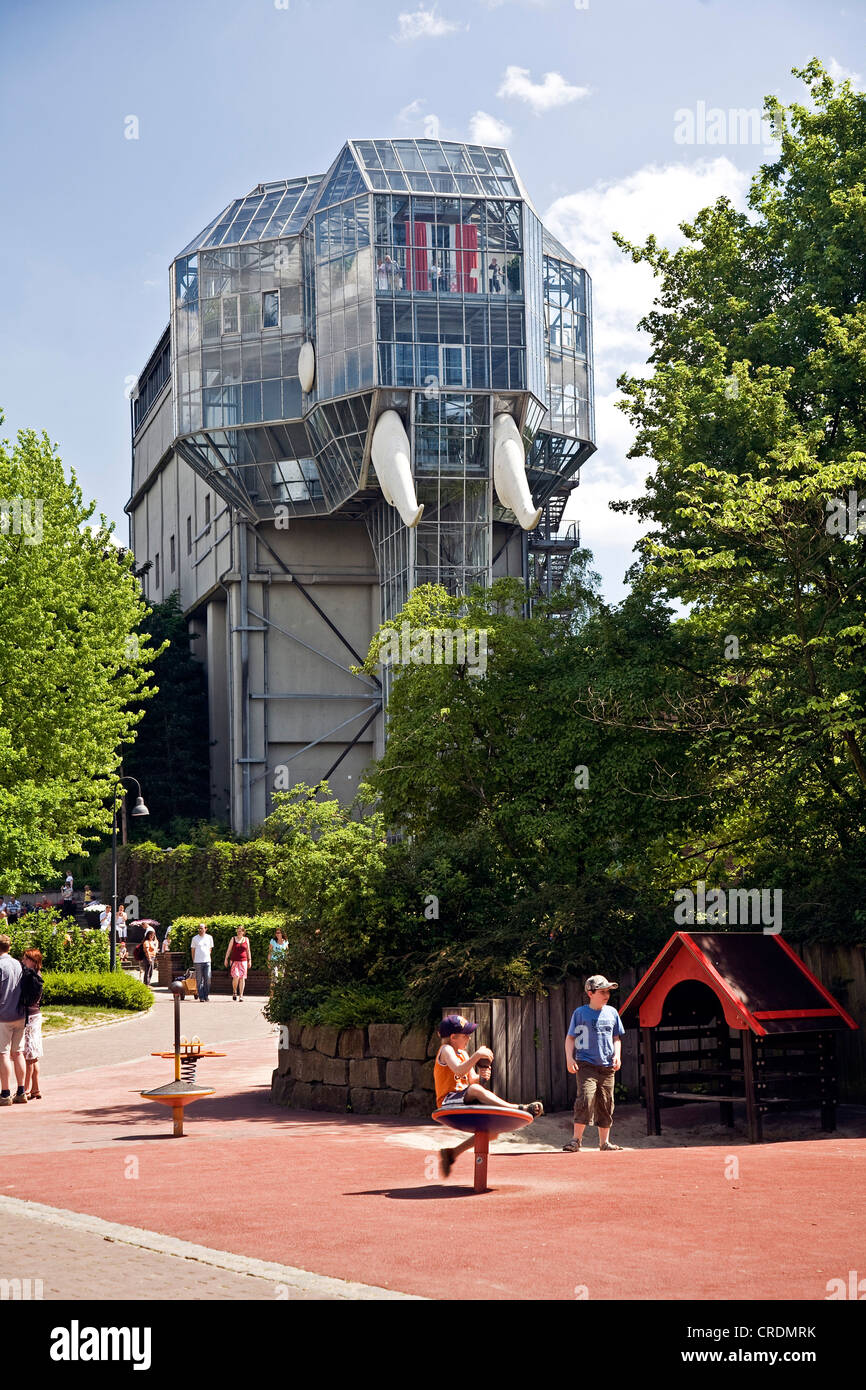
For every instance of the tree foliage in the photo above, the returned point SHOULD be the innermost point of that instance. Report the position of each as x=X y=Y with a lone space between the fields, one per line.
x=72 y=682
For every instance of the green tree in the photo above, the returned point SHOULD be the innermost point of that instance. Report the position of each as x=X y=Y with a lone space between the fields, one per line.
x=71 y=675
x=755 y=416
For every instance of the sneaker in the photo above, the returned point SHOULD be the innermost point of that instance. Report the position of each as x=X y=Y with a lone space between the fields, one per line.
x=573 y=1146
x=19 y=1099
x=5 y=1100
x=446 y=1162
x=611 y=1148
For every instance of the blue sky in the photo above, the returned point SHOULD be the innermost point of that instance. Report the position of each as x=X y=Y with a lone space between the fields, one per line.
x=228 y=93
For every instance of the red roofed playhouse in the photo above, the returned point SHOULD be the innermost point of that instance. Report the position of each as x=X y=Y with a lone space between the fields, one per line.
x=735 y=1016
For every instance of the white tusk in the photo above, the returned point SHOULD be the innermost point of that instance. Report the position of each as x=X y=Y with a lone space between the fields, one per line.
x=307 y=366
x=509 y=472
x=390 y=453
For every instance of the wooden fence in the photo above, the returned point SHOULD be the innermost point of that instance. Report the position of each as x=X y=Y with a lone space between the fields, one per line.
x=527 y=1034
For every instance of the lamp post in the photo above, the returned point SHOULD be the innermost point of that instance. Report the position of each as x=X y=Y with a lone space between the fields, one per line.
x=139 y=809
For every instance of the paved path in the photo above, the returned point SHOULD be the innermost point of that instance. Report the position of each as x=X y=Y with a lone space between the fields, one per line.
x=219 y=1021
x=47 y=1250
x=358 y=1199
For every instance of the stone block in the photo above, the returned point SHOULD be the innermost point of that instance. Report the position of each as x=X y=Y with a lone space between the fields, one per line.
x=434 y=1044
x=335 y=1071
x=423 y=1076
x=419 y=1103
x=309 y=1067
x=288 y=1059
x=385 y=1039
x=282 y=1090
x=302 y=1096
x=413 y=1045
x=387 y=1102
x=352 y=1043
x=399 y=1076
x=367 y=1071
x=295 y=1031
x=327 y=1039
x=308 y=1038
x=331 y=1098
x=361 y=1100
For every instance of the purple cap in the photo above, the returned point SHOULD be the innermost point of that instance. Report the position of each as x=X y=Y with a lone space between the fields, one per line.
x=455 y=1023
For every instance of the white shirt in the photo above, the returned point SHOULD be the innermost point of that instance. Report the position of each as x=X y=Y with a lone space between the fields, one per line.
x=201 y=948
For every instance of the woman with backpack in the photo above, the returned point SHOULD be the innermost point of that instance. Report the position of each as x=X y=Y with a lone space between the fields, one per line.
x=32 y=985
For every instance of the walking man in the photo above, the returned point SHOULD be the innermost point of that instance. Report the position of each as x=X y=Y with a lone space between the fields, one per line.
x=202 y=949
x=12 y=1023
x=593 y=1050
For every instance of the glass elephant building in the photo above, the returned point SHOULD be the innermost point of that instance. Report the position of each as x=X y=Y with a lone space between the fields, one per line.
x=372 y=379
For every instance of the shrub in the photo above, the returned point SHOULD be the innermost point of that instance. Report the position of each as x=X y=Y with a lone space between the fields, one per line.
x=219 y=878
x=64 y=945
x=110 y=991
x=347 y=1006
x=259 y=930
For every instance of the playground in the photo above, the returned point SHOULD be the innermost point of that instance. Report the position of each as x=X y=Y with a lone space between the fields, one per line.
x=357 y=1204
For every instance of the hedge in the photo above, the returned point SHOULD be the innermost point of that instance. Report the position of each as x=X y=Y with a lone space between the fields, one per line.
x=218 y=878
x=110 y=991
x=259 y=930
x=64 y=945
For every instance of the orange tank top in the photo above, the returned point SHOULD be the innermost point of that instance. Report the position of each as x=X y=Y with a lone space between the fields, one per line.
x=444 y=1079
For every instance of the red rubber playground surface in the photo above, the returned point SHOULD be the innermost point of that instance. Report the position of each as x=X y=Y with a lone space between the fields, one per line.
x=350 y=1197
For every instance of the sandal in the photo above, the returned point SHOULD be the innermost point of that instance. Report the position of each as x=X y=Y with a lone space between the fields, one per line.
x=617 y=1148
x=446 y=1162
x=573 y=1146
x=35 y=1095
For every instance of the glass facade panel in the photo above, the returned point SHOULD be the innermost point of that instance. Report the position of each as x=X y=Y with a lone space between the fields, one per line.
x=566 y=340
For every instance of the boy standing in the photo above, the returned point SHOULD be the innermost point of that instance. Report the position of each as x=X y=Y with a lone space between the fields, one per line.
x=593 y=1050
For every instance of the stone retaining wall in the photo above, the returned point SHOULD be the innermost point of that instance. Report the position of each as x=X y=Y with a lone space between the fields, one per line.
x=379 y=1070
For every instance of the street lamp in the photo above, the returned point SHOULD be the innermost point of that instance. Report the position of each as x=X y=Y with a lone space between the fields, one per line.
x=139 y=809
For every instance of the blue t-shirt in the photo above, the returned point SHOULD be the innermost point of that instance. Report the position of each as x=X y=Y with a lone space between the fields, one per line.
x=594 y=1031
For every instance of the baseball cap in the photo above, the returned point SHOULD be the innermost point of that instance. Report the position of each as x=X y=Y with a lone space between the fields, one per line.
x=455 y=1023
x=600 y=982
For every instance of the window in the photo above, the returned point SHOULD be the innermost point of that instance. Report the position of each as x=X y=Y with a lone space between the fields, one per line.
x=231 y=316
x=171 y=554
x=156 y=571
x=207 y=510
x=189 y=535
x=271 y=309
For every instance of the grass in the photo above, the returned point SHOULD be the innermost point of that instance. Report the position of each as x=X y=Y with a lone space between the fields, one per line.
x=66 y=1018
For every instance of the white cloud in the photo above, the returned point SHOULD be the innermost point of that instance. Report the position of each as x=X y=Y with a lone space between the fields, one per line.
x=541 y=96
x=487 y=130
x=654 y=199
x=414 y=119
x=840 y=73
x=425 y=24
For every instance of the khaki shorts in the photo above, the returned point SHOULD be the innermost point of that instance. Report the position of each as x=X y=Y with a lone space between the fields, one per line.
x=593 y=1104
x=11 y=1037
